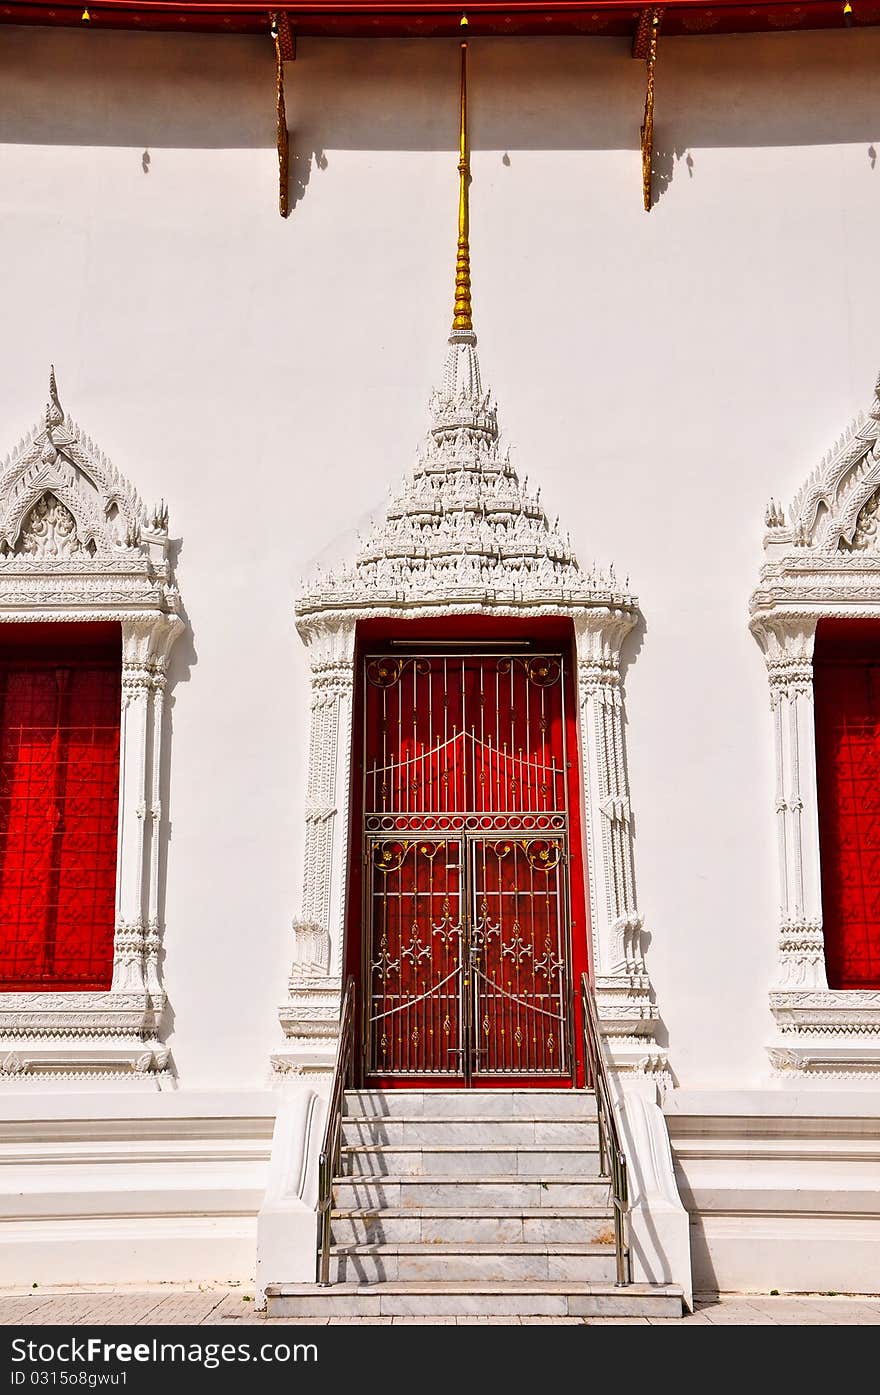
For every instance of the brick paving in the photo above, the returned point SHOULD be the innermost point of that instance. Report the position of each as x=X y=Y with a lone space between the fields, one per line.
x=225 y=1306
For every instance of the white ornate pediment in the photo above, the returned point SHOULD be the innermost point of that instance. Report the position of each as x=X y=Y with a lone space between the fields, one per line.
x=824 y=514
x=73 y=529
x=823 y=553
x=463 y=532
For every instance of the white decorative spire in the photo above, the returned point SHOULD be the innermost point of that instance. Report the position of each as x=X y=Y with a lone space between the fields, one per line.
x=463 y=529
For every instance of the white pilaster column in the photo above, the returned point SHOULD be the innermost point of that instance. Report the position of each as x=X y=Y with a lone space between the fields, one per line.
x=128 y=964
x=163 y=635
x=153 y=939
x=310 y=1015
x=146 y=644
x=623 y=989
x=787 y=642
x=328 y=788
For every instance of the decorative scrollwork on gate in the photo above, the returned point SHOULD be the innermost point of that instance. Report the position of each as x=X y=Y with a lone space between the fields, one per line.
x=542 y=670
x=384 y=965
x=516 y=948
x=447 y=928
x=501 y=849
x=385 y=672
x=390 y=856
x=542 y=856
x=551 y=964
x=414 y=949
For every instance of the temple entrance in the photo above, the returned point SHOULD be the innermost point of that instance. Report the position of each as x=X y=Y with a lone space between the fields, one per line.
x=466 y=954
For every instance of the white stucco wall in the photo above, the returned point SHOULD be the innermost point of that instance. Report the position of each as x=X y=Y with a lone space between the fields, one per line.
x=659 y=375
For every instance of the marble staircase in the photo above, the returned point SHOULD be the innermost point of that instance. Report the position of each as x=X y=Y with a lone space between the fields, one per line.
x=478 y=1202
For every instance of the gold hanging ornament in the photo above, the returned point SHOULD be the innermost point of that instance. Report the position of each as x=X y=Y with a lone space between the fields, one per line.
x=645 y=46
x=462 y=317
x=285 y=51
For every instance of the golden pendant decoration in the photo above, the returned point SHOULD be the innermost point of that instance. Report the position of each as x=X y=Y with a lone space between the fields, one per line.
x=645 y=46
x=285 y=51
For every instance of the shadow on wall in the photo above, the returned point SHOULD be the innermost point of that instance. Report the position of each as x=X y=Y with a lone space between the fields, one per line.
x=666 y=161
x=183 y=660
x=705 y=1279
x=218 y=92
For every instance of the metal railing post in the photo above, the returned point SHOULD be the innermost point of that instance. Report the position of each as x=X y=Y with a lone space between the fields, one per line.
x=328 y=1159
x=611 y=1154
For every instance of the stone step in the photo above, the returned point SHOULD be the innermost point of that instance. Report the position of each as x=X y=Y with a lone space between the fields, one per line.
x=476 y=1131
x=467 y=1297
x=479 y=1191
x=483 y=1263
x=465 y=1104
x=437 y=1226
x=459 y=1160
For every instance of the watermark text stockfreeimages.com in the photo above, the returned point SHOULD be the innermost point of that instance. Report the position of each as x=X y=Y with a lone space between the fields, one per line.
x=28 y=1354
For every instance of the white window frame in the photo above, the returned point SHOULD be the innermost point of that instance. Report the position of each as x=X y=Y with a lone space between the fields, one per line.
x=114 y=567
x=823 y=561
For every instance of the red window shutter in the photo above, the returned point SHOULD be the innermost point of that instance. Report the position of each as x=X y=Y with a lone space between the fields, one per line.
x=59 y=793
x=847 y=687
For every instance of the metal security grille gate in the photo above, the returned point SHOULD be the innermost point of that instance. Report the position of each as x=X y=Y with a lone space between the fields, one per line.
x=465 y=801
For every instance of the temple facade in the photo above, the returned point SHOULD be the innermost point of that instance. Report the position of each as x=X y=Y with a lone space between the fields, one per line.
x=346 y=778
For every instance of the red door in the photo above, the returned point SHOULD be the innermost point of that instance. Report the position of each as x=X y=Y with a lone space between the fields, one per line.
x=466 y=955
x=847 y=690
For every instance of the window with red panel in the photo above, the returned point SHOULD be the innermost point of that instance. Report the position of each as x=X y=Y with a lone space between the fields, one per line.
x=847 y=689
x=59 y=804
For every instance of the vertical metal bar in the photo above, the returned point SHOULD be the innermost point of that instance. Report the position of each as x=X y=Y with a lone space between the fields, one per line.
x=432 y=744
x=466 y=881
x=563 y=717
x=482 y=801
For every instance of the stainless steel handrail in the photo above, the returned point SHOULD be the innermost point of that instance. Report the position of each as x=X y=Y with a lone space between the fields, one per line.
x=328 y=1158
x=611 y=1154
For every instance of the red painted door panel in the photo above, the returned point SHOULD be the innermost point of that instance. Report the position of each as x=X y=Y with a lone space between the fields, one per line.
x=466 y=828
x=59 y=783
x=518 y=955
x=847 y=686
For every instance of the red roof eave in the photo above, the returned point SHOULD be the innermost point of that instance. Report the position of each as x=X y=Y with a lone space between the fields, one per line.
x=403 y=18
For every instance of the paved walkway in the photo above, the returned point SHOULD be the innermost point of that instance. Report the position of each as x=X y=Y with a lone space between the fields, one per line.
x=226 y=1306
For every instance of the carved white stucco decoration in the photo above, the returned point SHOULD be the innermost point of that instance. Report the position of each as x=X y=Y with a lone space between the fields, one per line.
x=820 y=560
x=76 y=543
x=465 y=536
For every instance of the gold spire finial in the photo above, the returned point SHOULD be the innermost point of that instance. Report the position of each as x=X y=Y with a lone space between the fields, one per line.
x=462 y=316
